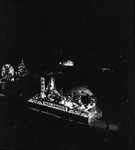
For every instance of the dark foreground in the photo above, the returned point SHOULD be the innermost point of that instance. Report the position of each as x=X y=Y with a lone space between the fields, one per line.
x=22 y=129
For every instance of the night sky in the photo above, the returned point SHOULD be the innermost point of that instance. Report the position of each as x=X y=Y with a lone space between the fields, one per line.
x=95 y=34
x=78 y=28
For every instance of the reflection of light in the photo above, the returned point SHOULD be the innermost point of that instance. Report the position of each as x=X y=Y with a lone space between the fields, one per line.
x=103 y=125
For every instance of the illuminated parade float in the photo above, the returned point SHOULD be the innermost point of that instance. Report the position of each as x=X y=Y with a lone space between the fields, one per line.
x=79 y=104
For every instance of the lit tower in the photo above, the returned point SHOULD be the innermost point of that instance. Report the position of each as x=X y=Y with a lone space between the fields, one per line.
x=22 y=69
x=52 y=83
x=42 y=92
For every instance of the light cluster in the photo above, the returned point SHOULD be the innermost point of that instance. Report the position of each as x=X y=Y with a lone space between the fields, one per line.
x=67 y=63
x=8 y=73
x=22 y=69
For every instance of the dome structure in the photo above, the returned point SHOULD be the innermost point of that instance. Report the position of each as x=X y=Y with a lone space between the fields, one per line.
x=82 y=96
x=82 y=91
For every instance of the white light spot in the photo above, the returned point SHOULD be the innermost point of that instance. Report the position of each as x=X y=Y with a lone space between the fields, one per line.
x=68 y=63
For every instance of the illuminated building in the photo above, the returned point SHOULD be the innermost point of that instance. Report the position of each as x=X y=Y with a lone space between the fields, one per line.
x=10 y=82
x=7 y=72
x=22 y=69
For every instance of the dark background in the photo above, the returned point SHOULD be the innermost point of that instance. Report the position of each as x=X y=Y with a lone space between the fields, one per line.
x=40 y=28
x=94 y=34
